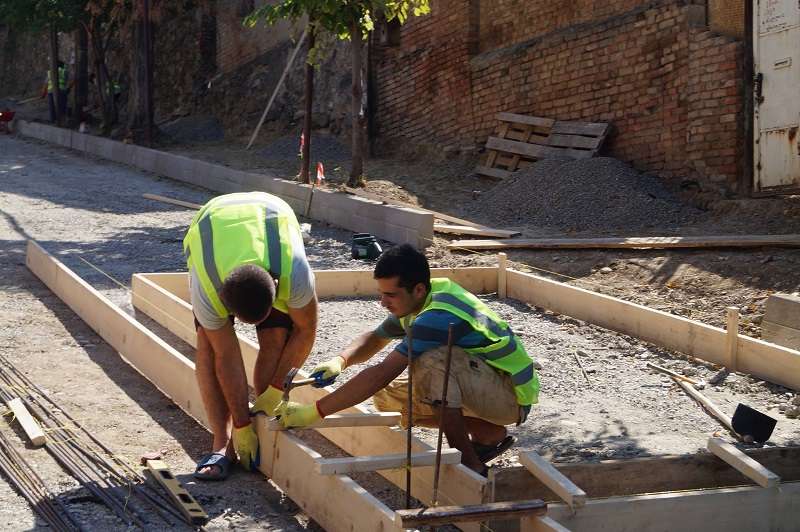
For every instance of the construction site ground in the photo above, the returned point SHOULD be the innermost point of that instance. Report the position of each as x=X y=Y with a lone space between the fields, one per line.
x=92 y=216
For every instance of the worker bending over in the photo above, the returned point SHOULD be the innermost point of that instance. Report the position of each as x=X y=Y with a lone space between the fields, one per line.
x=246 y=261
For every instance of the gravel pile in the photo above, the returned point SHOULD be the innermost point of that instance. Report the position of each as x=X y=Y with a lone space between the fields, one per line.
x=194 y=128
x=322 y=148
x=599 y=193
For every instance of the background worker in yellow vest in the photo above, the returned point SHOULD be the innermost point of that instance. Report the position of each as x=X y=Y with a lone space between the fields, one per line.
x=246 y=261
x=65 y=83
x=492 y=381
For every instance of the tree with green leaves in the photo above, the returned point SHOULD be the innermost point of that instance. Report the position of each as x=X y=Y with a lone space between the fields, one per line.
x=347 y=19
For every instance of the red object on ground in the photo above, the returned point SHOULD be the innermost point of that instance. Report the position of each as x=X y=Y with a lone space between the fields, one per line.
x=5 y=118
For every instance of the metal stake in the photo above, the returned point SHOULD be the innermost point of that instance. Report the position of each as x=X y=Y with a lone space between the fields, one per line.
x=441 y=415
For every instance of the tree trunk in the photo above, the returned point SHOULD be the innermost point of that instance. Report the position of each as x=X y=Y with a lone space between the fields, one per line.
x=356 y=177
x=54 y=76
x=304 y=169
x=139 y=100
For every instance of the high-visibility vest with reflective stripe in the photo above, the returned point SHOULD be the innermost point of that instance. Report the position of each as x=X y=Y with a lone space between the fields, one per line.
x=505 y=353
x=241 y=228
x=62 y=80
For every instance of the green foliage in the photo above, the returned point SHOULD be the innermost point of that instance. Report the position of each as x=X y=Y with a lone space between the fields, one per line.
x=340 y=17
x=38 y=15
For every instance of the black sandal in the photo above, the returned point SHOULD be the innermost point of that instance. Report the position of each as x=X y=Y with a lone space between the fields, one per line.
x=487 y=453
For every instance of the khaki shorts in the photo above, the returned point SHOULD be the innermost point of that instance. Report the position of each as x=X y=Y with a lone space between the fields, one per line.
x=473 y=385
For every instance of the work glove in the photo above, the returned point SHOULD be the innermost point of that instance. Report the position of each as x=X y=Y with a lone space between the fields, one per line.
x=42 y=95
x=327 y=372
x=267 y=401
x=247 y=446
x=294 y=415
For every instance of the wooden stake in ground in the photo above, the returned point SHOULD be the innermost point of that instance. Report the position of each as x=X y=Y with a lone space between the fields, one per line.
x=275 y=92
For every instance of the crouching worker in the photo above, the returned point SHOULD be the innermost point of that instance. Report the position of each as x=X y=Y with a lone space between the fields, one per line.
x=492 y=381
x=247 y=262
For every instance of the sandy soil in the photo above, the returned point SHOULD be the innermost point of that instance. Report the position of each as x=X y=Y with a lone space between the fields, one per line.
x=91 y=215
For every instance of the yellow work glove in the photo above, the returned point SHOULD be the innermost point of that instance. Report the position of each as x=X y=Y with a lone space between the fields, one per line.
x=267 y=401
x=247 y=446
x=327 y=372
x=293 y=415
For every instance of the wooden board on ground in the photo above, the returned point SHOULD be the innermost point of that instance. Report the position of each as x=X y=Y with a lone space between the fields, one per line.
x=29 y=424
x=630 y=242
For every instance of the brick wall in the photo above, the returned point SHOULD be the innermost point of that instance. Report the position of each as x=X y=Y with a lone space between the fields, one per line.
x=236 y=45
x=650 y=68
x=726 y=17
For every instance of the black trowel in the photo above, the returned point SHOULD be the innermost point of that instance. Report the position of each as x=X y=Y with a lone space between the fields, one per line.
x=747 y=421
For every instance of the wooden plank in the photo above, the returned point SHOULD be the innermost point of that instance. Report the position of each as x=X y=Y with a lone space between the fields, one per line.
x=492 y=172
x=538 y=121
x=535 y=150
x=335 y=502
x=766 y=361
x=572 y=141
x=360 y=464
x=633 y=242
x=442 y=515
x=741 y=462
x=652 y=474
x=590 y=129
x=722 y=510
x=173 y=201
x=29 y=425
x=553 y=479
x=167 y=369
x=376 y=419
x=478 y=231
x=541 y=524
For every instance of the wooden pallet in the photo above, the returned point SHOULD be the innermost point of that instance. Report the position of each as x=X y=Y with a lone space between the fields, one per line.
x=522 y=140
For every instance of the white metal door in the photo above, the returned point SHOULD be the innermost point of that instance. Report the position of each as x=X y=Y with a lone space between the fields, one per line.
x=776 y=43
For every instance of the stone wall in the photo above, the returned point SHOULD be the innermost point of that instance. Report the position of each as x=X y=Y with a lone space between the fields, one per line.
x=672 y=88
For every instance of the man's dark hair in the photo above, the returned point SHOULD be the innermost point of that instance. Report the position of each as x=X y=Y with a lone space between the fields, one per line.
x=406 y=262
x=248 y=292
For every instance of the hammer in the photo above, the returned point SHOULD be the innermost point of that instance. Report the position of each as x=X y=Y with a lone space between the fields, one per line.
x=289 y=383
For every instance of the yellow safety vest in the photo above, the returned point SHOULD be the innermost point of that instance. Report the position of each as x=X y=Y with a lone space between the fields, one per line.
x=241 y=228
x=62 y=80
x=505 y=351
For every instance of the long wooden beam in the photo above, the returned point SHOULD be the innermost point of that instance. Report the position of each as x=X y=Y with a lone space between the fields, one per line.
x=754 y=509
x=360 y=464
x=770 y=362
x=657 y=242
x=165 y=367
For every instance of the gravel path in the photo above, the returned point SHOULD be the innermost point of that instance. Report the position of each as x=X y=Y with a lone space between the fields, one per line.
x=92 y=216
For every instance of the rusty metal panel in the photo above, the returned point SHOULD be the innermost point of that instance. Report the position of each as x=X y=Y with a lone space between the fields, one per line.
x=777 y=97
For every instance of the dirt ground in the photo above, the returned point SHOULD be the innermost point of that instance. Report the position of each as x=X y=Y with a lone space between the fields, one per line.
x=91 y=215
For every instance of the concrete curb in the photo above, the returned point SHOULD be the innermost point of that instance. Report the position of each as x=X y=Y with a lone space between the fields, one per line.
x=387 y=222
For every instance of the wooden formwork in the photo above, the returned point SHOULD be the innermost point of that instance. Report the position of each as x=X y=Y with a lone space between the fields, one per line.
x=697 y=493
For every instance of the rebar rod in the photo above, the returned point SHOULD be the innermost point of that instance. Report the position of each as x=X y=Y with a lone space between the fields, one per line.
x=441 y=415
x=410 y=420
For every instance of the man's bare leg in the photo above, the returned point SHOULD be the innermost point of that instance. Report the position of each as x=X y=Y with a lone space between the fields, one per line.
x=213 y=400
x=269 y=364
x=455 y=427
